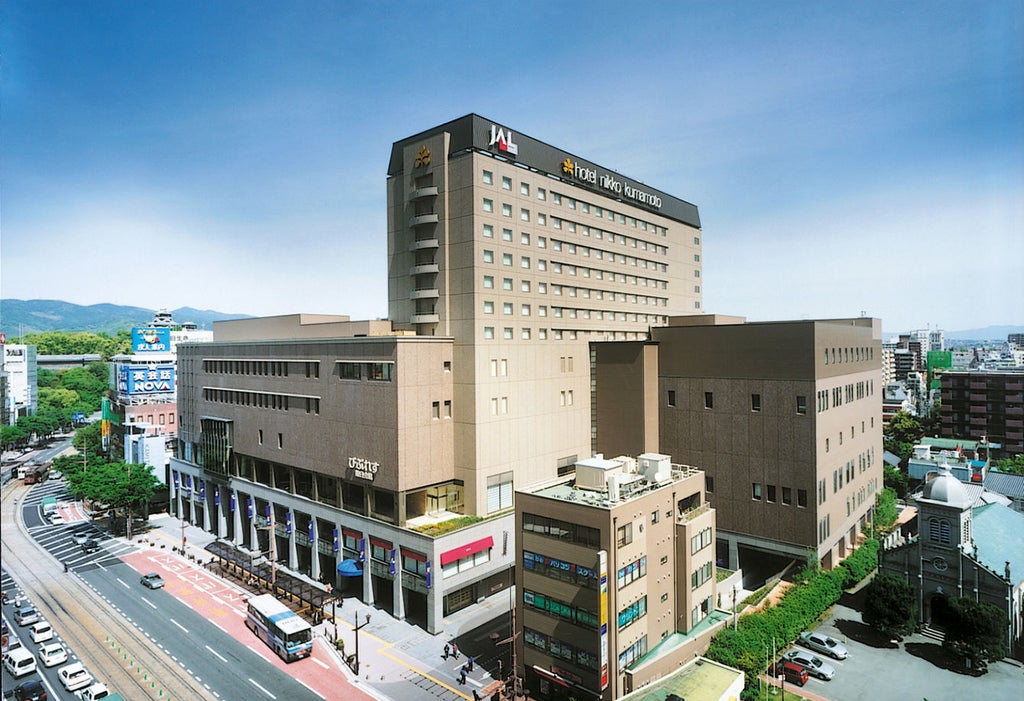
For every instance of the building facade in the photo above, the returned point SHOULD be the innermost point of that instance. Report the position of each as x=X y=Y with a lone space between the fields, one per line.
x=616 y=577
x=22 y=396
x=785 y=418
x=983 y=403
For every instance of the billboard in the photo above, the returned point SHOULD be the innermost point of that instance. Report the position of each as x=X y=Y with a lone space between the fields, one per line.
x=151 y=340
x=146 y=379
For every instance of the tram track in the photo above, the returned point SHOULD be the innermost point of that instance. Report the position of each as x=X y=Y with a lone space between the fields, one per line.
x=114 y=650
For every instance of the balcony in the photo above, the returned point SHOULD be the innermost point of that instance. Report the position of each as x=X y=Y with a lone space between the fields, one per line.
x=422 y=192
x=421 y=219
x=1014 y=411
x=425 y=319
x=979 y=422
x=423 y=244
x=424 y=294
x=976 y=409
x=1014 y=386
x=978 y=385
x=977 y=397
x=424 y=269
x=1014 y=398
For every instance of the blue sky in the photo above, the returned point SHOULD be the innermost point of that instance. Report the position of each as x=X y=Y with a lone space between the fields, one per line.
x=845 y=157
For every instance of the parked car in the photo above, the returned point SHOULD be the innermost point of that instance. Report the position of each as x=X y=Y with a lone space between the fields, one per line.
x=56 y=475
x=791 y=672
x=74 y=676
x=41 y=632
x=56 y=519
x=152 y=580
x=32 y=690
x=19 y=662
x=52 y=654
x=27 y=615
x=814 y=665
x=95 y=692
x=819 y=642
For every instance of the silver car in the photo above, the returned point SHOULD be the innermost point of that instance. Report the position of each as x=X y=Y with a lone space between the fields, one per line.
x=814 y=665
x=819 y=642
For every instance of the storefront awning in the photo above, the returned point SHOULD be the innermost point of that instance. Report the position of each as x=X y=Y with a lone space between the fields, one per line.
x=466 y=550
x=349 y=568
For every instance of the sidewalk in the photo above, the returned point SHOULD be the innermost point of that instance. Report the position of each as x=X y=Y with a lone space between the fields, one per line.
x=397 y=660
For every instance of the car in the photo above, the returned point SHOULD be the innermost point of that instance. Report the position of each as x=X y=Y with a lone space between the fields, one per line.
x=26 y=616
x=90 y=546
x=152 y=580
x=814 y=665
x=41 y=632
x=80 y=537
x=56 y=475
x=95 y=692
x=819 y=642
x=32 y=690
x=52 y=654
x=74 y=677
x=56 y=519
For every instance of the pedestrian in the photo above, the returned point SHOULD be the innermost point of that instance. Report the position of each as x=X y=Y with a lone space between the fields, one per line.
x=446 y=650
x=476 y=696
x=455 y=650
x=470 y=664
x=462 y=675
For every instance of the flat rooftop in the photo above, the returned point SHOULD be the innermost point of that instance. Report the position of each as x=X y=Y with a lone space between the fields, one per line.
x=565 y=489
x=699 y=680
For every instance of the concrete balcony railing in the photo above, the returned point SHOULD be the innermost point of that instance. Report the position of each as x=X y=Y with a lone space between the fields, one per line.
x=424 y=319
x=427 y=293
x=421 y=219
x=423 y=244
x=424 y=269
x=422 y=192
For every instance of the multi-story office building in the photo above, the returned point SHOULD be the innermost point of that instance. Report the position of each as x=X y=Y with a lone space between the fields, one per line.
x=617 y=580
x=984 y=403
x=785 y=419
x=22 y=397
x=507 y=258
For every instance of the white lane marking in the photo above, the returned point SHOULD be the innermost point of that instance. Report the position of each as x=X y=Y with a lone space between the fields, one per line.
x=179 y=625
x=148 y=602
x=123 y=583
x=310 y=688
x=261 y=688
x=219 y=656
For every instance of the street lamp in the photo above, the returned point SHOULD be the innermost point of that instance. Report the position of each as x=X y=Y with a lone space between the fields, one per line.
x=358 y=628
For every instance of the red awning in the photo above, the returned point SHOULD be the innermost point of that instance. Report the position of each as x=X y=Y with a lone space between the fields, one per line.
x=466 y=550
x=551 y=676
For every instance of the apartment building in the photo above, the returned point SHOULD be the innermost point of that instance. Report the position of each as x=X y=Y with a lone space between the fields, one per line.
x=616 y=583
x=984 y=403
x=785 y=418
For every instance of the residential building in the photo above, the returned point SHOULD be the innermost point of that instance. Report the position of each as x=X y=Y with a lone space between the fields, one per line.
x=785 y=418
x=985 y=403
x=616 y=584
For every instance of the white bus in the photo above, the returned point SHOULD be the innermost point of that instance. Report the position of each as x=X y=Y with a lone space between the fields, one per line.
x=278 y=626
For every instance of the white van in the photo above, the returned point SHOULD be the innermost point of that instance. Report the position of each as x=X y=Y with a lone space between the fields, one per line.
x=20 y=662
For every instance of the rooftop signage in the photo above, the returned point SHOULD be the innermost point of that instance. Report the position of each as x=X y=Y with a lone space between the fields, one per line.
x=503 y=141
x=151 y=340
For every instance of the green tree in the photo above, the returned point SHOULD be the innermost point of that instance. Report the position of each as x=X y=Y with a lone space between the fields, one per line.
x=89 y=441
x=894 y=478
x=890 y=605
x=977 y=631
x=119 y=485
x=886 y=511
x=1013 y=466
x=14 y=436
x=902 y=433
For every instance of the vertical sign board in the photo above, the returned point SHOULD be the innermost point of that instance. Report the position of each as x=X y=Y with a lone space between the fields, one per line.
x=602 y=568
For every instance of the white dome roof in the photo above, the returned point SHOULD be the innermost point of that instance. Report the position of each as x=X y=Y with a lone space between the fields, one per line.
x=946 y=488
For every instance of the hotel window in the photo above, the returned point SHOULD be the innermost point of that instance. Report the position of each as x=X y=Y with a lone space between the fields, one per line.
x=524 y=238
x=435 y=410
x=524 y=214
x=488 y=256
x=506 y=259
x=506 y=210
x=506 y=284
x=696 y=258
x=572 y=203
x=488 y=282
x=542 y=194
x=556 y=223
x=709 y=400
x=556 y=198
x=525 y=285
x=506 y=308
x=506 y=183
x=624 y=535
x=489 y=332
x=506 y=235
x=542 y=265
x=586 y=207
x=755 y=402
x=488 y=307
x=507 y=333
x=542 y=242
x=696 y=273
x=524 y=262
x=488 y=231
x=542 y=334
x=542 y=310
x=755 y=491
x=556 y=245
x=488 y=205
x=671 y=397
x=524 y=189
x=488 y=177
x=525 y=334
x=525 y=310
x=542 y=288
x=542 y=219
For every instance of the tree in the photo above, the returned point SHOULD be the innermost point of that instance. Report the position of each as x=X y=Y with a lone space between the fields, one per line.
x=13 y=436
x=886 y=511
x=890 y=606
x=902 y=433
x=119 y=485
x=894 y=478
x=976 y=630
x=89 y=440
x=1013 y=466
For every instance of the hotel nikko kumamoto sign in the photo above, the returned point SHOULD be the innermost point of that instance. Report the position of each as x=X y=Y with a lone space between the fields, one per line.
x=151 y=340
x=145 y=379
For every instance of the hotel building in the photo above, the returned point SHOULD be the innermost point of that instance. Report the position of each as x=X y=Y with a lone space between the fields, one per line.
x=359 y=441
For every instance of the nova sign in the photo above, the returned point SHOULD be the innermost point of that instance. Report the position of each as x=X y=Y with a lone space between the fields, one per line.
x=363 y=468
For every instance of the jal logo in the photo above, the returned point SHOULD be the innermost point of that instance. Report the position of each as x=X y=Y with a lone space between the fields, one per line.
x=503 y=140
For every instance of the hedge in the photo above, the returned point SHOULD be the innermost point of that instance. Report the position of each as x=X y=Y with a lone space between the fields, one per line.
x=745 y=648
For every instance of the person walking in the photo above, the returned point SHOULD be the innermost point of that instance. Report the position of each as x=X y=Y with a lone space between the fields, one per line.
x=446 y=650
x=470 y=664
x=455 y=650
x=462 y=675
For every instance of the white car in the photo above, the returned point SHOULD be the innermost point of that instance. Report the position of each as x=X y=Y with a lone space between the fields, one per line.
x=74 y=677
x=52 y=654
x=41 y=632
x=56 y=519
x=95 y=692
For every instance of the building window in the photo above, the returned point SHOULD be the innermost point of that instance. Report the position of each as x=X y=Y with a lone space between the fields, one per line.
x=771 y=493
x=506 y=259
x=488 y=332
x=709 y=400
x=525 y=310
x=488 y=205
x=488 y=177
x=524 y=215
x=506 y=235
x=506 y=333
x=755 y=492
x=447 y=409
x=506 y=308
x=632 y=612
x=801 y=404
x=506 y=183
x=801 y=498
x=488 y=231
x=488 y=282
x=280 y=441
x=499 y=492
x=671 y=397
x=755 y=402
x=435 y=410
x=787 y=495
x=624 y=535
x=506 y=284
x=524 y=262
x=488 y=256
x=506 y=210
x=524 y=189
x=524 y=238
x=632 y=572
x=488 y=307
x=709 y=483
x=525 y=334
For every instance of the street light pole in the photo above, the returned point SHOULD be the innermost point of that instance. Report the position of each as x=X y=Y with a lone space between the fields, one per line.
x=358 y=628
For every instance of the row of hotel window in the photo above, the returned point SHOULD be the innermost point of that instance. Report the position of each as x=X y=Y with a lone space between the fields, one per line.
x=526 y=334
x=525 y=285
x=572 y=203
x=770 y=494
x=848 y=392
x=526 y=263
x=848 y=355
x=559 y=245
x=262 y=400
x=508 y=309
x=265 y=368
x=853 y=433
x=755 y=401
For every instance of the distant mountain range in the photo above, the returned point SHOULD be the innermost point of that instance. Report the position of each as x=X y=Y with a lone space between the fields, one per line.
x=18 y=316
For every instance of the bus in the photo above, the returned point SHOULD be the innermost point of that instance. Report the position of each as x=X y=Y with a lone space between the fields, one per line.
x=283 y=630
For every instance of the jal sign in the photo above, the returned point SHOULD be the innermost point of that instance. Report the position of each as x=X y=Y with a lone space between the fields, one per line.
x=363 y=469
x=501 y=139
x=151 y=340
x=145 y=379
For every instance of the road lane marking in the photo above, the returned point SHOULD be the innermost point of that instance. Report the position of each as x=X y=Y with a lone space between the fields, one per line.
x=261 y=688
x=325 y=666
x=123 y=583
x=310 y=688
x=216 y=653
x=148 y=602
x=179 y=625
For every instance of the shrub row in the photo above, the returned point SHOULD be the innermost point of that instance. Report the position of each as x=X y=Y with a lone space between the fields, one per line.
x=757 y=634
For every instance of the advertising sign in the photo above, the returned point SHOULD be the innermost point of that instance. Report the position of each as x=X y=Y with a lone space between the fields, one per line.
x=151 y=340
x=602 y=567
x=145 y=379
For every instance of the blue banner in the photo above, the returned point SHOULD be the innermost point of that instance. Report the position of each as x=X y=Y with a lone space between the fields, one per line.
x=288 y=522
x=430 y=579
x=335 y=544
x=310 y=529
x=146 y=379
x=202 y=490
x=252 y=510
x=362 y=549
x=392 y=569
x=216 y=495
x=151 y=340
